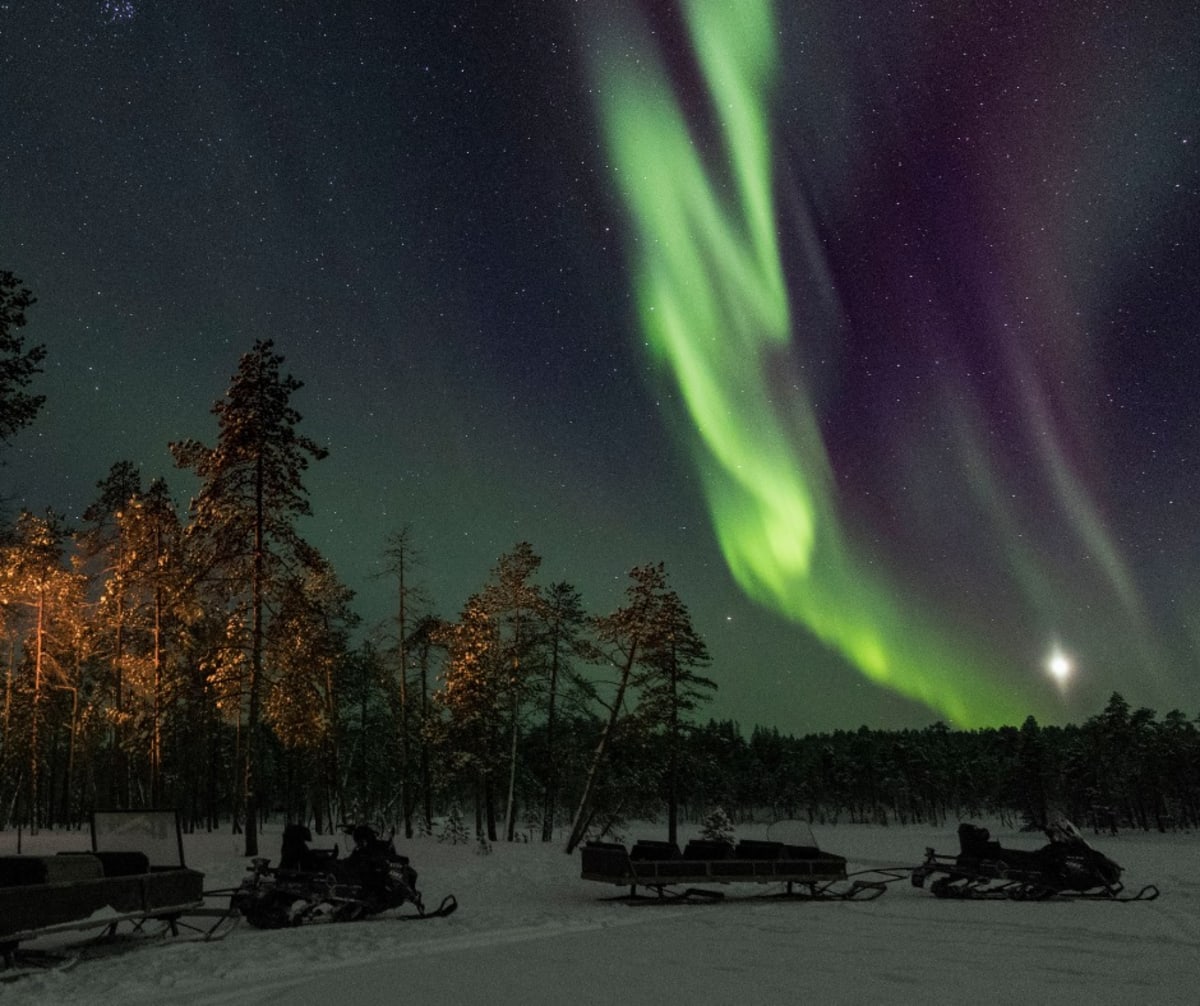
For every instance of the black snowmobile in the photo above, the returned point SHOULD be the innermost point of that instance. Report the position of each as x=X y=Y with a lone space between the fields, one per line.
x=315 y=885
x=1067 y=866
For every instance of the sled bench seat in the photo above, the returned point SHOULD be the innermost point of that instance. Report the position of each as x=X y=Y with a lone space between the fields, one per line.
x=25 y=871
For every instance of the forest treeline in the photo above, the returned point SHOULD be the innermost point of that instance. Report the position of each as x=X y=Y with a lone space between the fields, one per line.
x=210 y=659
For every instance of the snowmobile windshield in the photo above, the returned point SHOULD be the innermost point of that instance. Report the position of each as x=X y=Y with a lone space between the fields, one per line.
x=1063 y=831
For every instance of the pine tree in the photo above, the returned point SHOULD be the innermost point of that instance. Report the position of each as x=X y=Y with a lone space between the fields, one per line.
x=564 y=640
x=515 y=605
x=49 y=597
x=244 y=518
x=472 y=696
x=307 y=646
x=166 y=594
x=421 y=644
x=401 y=556
x=102 y=544
x=668 y=689
x=18 y=364
x=632 y=635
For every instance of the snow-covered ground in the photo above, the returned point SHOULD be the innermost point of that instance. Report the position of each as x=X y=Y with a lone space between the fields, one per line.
x=528 y=930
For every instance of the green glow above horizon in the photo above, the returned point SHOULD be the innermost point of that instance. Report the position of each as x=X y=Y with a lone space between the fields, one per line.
x=714 y=309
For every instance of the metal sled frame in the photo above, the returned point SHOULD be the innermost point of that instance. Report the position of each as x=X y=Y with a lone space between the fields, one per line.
x=813 y=876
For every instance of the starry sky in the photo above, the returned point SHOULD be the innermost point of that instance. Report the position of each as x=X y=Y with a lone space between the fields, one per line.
x=881 y=332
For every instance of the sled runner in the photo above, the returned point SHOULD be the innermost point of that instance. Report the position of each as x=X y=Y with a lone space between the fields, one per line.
x=133 y=885
x=803 y=872
x=1066 y=867
x=315 y=885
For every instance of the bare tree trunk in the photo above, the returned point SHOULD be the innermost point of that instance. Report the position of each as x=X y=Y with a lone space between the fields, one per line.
x=120 y=762
x=156 y=736
x=34 y=815
x=479 y=806
x=550 y=795
x=673 y=757
x=249 y=779
x=489 y=805
x=402 y=627
x=583 y=810
x=68 y=788
x=8 y=690
x=510 y=810
x=332 y=749
x=426 y=774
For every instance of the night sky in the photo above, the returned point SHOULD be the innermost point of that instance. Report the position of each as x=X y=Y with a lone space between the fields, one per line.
x=881 y=332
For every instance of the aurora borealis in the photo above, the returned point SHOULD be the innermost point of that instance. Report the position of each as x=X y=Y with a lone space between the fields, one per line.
x=713 y=303
x=881 y=332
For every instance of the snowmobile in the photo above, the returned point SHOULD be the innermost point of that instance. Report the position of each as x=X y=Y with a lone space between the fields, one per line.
x=1067 y=866
x=315 y=885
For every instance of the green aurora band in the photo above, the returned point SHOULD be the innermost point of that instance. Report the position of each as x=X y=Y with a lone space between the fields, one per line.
x=713 y=305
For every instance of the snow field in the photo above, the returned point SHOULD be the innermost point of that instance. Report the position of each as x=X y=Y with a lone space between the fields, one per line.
x=528 y=930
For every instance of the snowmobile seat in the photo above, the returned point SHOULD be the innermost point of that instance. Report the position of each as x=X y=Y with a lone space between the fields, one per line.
x=978 y=847
x=294 y=846
x=977 y=843
x=295 y=855
x=319 y=860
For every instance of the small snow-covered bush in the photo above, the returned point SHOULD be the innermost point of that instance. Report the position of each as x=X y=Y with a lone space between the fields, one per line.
x=716 y=826
x=454 y=830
